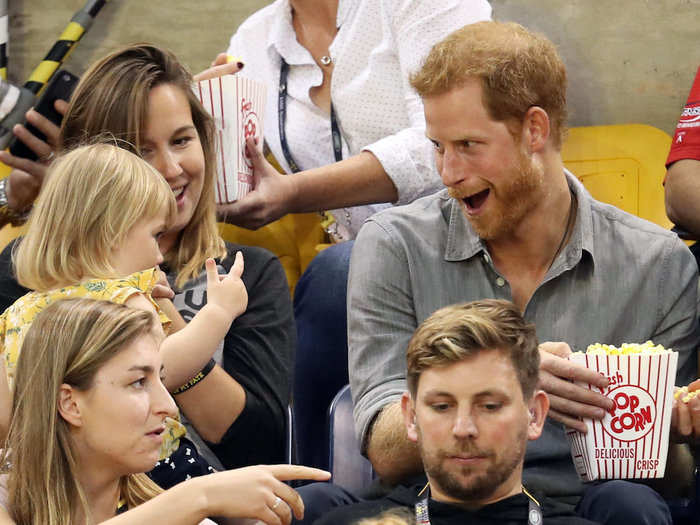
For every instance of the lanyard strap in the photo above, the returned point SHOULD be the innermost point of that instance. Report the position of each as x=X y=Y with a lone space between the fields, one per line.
x=534 y=513
x=282 y=120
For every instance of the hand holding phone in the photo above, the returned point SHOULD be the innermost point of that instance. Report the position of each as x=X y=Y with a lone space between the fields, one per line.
x=61 y=87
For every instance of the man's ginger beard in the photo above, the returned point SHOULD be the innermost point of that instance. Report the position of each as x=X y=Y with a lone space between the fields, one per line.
x=515 y=198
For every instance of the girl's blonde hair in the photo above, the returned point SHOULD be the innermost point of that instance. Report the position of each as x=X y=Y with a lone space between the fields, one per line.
x=68 y=342
x=112 y=96
x=393 y=516
x=93 y=196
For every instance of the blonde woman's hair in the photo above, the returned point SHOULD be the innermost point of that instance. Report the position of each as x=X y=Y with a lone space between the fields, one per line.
x=93 y=196
x=68 y=342
x=112 y=97
x=457 y=332
x=517 y=68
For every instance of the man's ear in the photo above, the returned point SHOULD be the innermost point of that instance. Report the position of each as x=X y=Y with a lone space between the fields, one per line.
x=409 y=417
x=68 y=405
x=535 y=131
x=538 y=405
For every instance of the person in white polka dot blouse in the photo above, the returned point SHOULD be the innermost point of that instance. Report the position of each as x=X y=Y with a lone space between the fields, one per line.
x=343 y=118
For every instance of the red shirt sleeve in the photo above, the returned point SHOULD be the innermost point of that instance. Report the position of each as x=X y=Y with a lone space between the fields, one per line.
x=686 y=140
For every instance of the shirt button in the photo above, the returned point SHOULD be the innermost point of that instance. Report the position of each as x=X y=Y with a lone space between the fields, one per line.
x=487 y=259
x=500 y=281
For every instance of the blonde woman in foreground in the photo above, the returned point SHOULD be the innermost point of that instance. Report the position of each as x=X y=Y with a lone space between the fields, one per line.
x=87 y=417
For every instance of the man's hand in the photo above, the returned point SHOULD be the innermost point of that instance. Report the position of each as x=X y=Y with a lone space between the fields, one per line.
x=568 y=401
x=685 y=418
x=271 y=198
x=27 y=176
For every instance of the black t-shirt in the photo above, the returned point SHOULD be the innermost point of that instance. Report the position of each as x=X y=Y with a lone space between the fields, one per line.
x=258 y=351
x=509 y=511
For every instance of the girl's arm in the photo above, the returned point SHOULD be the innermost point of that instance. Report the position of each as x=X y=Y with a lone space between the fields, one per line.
x=214 y=404
x=177 y=323
x=241 y=408
x=187 y=351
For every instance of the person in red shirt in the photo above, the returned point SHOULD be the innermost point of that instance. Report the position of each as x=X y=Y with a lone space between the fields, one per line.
x=682 y=182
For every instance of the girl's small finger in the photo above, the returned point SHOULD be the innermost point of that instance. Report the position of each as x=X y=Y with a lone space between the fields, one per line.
x=238 y=265
x=212 y=273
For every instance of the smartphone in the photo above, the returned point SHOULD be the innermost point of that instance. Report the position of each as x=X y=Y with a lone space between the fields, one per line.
x=61 y=86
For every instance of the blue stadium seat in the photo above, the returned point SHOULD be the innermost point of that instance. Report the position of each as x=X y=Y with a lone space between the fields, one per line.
x=348 y=467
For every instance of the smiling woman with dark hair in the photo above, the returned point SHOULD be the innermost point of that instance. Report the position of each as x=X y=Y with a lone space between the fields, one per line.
x=236 y=414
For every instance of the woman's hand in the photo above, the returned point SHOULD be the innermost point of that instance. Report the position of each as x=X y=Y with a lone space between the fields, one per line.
x=272 y=196
x=227 y=291
x=257 y=492
x=220 y=67
x=27 y=176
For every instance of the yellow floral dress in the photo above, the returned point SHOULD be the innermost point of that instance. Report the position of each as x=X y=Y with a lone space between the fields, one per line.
x=15 y=322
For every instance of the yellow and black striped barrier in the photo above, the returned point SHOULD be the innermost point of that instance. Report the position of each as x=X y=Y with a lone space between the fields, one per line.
x=21 y=99
x=78 y=26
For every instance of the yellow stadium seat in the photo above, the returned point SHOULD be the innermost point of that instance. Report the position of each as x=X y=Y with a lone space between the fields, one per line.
x=622 y=165
x=8 y=233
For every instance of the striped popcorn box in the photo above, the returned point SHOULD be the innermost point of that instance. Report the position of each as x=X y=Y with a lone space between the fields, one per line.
x=632 y=439
x=237 y=104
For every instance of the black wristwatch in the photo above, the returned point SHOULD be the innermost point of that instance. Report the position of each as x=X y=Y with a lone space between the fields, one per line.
x=7 y=214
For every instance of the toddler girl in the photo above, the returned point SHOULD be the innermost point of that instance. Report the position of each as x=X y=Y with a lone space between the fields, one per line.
x=94 y=233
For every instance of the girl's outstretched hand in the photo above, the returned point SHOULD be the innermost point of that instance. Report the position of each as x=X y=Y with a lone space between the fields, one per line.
x=227 y=291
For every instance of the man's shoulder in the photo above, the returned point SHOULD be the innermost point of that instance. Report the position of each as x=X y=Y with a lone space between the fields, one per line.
x=427 y=215
x=628 y=232
x=613 y=217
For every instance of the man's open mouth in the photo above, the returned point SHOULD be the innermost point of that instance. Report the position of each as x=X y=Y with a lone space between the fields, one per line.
x=476 y=201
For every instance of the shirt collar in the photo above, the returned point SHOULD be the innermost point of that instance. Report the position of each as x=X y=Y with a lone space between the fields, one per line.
x=463 y=243
x=582 y=236
x=344 y=9
x=282 y=38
